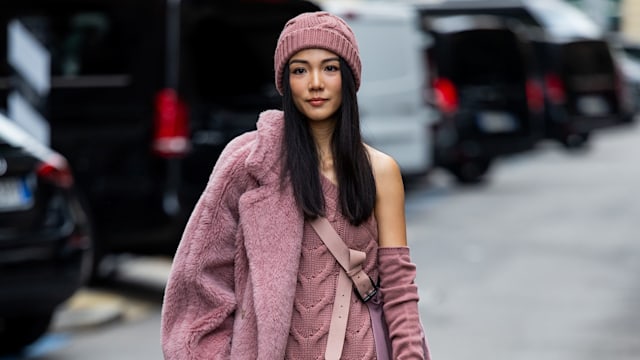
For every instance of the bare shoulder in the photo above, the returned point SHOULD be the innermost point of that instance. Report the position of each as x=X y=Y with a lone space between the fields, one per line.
x=389 y=208
x=385 y=168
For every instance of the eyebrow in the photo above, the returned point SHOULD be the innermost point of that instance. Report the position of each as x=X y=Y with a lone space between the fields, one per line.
x=306 y=62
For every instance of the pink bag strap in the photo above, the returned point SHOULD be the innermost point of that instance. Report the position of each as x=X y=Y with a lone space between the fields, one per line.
x=351 y=269
x=350 y=260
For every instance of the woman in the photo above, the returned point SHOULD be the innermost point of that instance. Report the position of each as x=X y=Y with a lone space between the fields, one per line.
x=251 y=279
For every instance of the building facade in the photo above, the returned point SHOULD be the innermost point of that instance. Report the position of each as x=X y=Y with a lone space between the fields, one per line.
x=629 y=11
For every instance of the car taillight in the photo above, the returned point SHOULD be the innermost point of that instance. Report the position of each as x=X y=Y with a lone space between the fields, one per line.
x=446 y=95
x=535 y=96
x=555 y=88
x=56 y=170
x=171 y=127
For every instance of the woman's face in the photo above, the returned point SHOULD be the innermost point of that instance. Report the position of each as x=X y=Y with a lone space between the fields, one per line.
x=316 y=83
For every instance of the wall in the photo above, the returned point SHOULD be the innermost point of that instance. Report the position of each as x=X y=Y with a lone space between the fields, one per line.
x=630 y=19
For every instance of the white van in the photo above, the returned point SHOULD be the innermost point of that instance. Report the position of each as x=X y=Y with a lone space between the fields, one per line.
x=395 y=117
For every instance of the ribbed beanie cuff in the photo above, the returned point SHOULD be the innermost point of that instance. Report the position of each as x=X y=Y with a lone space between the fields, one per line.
x=317 y=30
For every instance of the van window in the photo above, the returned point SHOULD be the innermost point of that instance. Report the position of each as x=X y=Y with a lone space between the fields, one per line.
x=480 y=57
x=584 y=58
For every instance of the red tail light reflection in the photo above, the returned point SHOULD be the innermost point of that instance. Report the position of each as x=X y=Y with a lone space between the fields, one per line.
x=535 y=96
x=56 y=170
x=171 y=132
x=555 y=88
x=446 y=95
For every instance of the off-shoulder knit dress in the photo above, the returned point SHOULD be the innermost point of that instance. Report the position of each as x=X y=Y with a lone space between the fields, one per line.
x=316 y=287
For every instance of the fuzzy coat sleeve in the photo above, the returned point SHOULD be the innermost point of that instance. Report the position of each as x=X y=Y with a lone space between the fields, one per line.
x=199 y=299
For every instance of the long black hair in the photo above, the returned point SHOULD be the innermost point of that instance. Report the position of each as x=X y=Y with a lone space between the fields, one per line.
x=356 y=184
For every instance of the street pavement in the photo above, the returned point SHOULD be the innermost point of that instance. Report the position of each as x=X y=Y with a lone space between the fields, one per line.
x=543 y=262
x=93 y=307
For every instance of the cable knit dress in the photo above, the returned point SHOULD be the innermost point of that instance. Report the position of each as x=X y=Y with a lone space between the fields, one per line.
x=316 y=288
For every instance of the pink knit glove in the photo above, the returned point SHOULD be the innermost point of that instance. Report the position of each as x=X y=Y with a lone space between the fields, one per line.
x=400 y=296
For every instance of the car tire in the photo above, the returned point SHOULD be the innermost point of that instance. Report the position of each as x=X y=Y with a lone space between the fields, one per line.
x=471 y=172
x=576 y=141
x=16 y=333
x=95 y=274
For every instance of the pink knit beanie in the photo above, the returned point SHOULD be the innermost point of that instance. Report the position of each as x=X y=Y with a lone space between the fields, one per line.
x=318 y=29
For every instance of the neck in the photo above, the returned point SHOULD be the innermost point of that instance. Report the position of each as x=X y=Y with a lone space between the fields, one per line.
x=322 y=133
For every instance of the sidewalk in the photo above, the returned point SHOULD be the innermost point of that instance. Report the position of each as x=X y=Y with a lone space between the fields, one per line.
x=91 y=307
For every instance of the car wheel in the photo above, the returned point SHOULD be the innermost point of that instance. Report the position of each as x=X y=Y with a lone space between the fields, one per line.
x=576 y=141
x=18 y=332
x=95 y=254
x=470 y=172
x=98 y=269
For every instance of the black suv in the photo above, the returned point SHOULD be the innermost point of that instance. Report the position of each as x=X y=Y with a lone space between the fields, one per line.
x=144 y=95
x=582 y=88
x=45 y=237
x=484 y=81
x=585 y=89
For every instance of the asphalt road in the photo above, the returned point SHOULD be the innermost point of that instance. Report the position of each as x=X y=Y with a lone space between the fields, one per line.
x=540 y=262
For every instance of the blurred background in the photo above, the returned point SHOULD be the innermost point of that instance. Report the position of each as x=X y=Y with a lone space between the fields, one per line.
x=513 y=121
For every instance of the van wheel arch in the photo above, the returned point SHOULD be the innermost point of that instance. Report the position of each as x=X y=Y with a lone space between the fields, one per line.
x=471 y=172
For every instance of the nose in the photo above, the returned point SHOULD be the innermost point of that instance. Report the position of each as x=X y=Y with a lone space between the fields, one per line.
x=315 y=82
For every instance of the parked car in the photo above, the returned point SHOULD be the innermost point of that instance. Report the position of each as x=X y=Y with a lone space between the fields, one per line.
x=630 y=68
x=45 y=237
x=144 y=95
x=484 y=80
x=627 y=58
x=585 y=89
x=576 y=63
x=631 y=48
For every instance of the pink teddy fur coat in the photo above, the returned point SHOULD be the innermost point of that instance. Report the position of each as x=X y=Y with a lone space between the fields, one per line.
x=234 y=272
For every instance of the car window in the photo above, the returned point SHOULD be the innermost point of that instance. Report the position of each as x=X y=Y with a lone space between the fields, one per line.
x=485 y=56
x=634 y=52
x=584 y=58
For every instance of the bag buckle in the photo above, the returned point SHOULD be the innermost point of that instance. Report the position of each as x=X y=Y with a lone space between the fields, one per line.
x=368 y=296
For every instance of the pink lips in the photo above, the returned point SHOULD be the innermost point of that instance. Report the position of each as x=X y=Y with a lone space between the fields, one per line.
x=317 y=101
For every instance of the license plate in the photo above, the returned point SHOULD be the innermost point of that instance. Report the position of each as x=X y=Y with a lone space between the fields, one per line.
x=15 y=194
x=592 y=105
x=496 y=122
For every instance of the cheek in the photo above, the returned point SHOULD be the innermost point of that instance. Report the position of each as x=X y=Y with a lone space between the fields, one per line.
x=335 y=84
x=296 y=84
x=298 y=90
